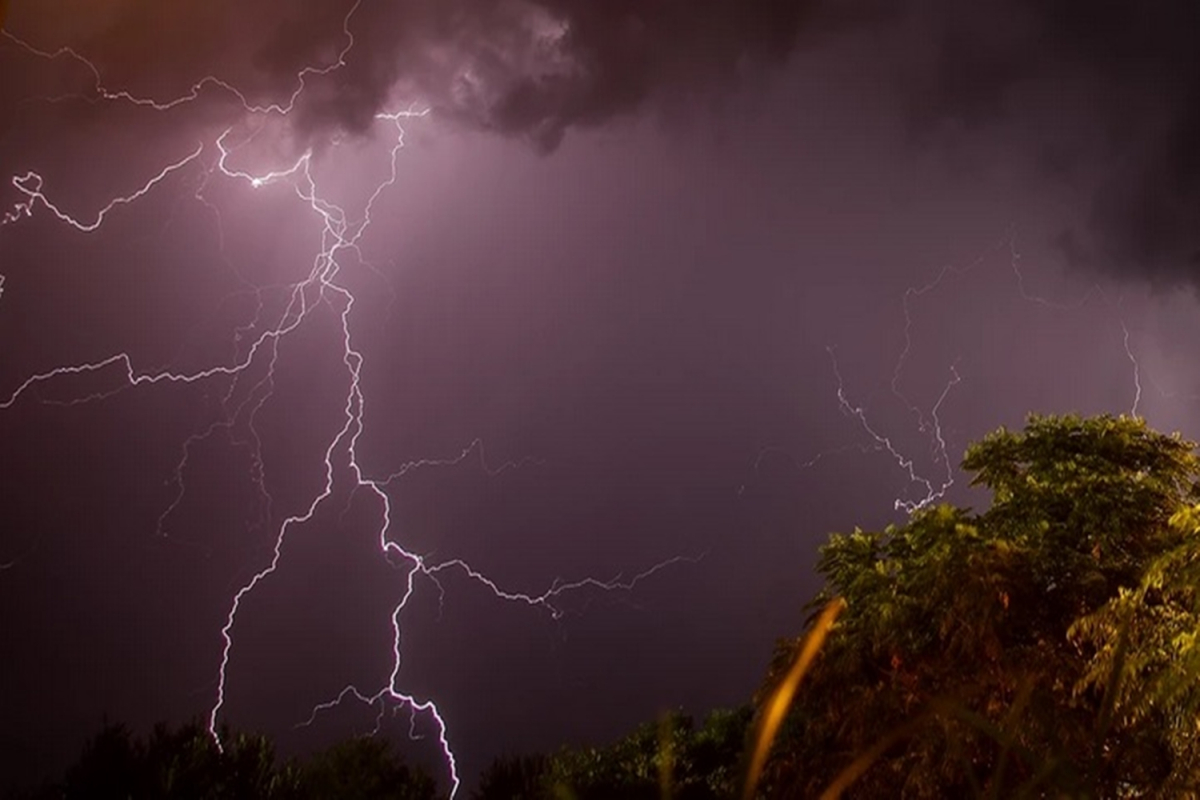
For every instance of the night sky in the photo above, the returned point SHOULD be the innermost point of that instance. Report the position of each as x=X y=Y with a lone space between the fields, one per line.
x=611 y=310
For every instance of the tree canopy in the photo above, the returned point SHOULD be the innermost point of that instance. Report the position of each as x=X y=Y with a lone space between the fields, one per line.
x=1047 y=644
x=1044 y=647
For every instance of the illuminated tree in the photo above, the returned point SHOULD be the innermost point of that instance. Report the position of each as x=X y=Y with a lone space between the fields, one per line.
x=1044 y=646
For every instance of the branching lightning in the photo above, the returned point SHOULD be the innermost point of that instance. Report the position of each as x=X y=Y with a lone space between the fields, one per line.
x=930 y=489
x=933 y=490
x=339 y=234
x=250 y=372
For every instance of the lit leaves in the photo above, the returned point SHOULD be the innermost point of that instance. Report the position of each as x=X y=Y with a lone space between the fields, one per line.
x=1053 y=637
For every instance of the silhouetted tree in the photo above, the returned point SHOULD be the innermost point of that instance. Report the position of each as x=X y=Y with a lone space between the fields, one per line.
x=363 y=768
x=666 y=758
x=185 y=763
x=514 y=778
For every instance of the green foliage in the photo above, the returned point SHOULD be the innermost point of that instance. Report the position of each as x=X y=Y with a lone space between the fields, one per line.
x=1045 y=645
x=186 y=764
x=669 y=758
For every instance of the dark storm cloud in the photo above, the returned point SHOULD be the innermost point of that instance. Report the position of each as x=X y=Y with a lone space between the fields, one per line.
x=531 y=68
x=1110 y=90
x=1112 y=94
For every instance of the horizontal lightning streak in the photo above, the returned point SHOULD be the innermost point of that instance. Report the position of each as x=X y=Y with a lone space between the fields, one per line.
x=103 y=93
x=476 y=446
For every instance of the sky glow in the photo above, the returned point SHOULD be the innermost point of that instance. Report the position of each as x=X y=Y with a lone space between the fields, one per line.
x=487 y=381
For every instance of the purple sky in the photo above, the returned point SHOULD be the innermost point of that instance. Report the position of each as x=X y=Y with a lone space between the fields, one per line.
x=602 y=312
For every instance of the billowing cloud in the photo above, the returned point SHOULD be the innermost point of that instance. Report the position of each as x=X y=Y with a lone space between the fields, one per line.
x=531 y=68
x=1102 y=95
x=1111 y=94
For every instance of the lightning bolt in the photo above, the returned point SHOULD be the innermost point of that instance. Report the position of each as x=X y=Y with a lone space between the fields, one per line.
x=931 y=426
x=928 y=425
x=1095 y=290
x=103 y=92
x=932 y=489
x=1137 y=368
x=340 y=234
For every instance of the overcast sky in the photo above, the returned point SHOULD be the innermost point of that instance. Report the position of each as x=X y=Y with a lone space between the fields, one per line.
x=666 y=287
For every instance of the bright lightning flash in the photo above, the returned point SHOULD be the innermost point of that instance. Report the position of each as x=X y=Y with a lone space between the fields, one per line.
x=339 y=235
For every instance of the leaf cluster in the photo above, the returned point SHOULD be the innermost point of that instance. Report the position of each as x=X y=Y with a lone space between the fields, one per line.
x=1047 y=644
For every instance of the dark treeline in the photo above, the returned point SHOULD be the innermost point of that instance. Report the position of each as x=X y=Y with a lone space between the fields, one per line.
x=694 y=762
x=185 y=763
